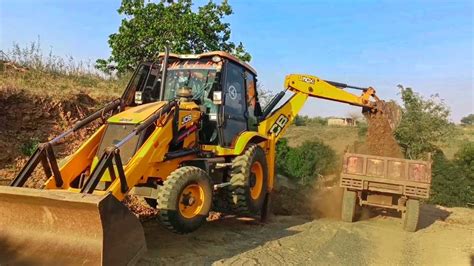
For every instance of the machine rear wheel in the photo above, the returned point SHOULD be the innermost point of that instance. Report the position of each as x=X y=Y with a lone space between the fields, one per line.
x=249 y=181
x=185 y=199
x=410 y=217
x=349 y=202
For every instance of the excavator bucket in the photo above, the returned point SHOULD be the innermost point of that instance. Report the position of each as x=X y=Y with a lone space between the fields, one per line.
x=50 y=227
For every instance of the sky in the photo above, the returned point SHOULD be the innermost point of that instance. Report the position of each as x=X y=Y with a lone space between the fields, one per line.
x=426 y=45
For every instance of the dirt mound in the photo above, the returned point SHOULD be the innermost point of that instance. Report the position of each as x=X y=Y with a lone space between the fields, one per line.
x=380 y=140
x=28 y=119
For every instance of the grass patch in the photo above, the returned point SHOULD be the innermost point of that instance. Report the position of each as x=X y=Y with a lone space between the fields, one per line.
x=29 y=147
x=51 y=75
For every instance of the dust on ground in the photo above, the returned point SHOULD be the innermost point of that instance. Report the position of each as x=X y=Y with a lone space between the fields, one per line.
x=320 y=200
x=445 y=237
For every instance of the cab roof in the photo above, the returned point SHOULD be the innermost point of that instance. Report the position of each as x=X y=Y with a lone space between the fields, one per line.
x=211 y=54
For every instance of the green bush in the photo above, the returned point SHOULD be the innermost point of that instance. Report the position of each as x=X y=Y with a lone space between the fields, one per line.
x=362 y=129
x=304 y=120
x=282 y=150
x=468 y=120
x=453 y=180
x=29 y=147
x=299 y=121
x=304 y=163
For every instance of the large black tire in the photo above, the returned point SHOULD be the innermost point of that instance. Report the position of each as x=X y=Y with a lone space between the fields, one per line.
x=411 y=215
x=185 y=199
x=349 y=206
x=249 y=181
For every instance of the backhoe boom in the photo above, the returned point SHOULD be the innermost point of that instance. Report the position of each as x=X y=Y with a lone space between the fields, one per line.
x=303 y=86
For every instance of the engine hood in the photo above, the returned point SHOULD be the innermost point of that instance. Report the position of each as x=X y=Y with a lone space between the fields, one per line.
x=137 y=114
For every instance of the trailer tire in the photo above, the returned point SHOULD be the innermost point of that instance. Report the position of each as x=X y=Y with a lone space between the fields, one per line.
x=249 y=179
x=411 y=215
x=185 y=199
x=349 y=204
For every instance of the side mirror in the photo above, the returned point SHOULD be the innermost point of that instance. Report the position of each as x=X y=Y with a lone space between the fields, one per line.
x=217 y=98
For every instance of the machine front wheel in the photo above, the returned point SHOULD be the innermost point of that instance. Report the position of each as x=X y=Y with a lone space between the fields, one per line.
x=185 y=199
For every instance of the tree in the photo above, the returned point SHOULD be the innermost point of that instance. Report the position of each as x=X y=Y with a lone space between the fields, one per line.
x=468 y=120
x=424 y=123
x=264 y=95
x=300 y=120
x=148 y=27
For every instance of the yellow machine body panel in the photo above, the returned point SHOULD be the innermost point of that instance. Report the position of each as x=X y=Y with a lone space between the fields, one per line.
x=240 y=144
x=77 y=163
x=136 y=115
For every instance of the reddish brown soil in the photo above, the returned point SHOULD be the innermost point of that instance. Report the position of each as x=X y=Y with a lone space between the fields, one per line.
x=27 y=119
x=380 y=140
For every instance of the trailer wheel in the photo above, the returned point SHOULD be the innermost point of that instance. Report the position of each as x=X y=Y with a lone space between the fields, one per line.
x=349 y=204
x=412 y=213
x=185 y=199
x=249 y=181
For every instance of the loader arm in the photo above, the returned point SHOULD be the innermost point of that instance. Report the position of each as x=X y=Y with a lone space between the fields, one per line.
x=275 y=122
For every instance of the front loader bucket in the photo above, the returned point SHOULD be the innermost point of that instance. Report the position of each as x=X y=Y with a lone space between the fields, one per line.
x=50 y=227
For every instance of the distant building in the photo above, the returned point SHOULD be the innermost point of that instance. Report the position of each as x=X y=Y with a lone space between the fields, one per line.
x=337 y=121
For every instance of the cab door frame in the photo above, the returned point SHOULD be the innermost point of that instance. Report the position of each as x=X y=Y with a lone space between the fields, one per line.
x=232 y=121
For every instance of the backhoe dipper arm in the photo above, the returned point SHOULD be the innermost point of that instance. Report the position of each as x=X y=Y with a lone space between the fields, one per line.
x=304 y=86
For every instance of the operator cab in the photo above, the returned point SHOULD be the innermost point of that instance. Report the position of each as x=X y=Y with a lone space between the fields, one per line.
x=223 y=86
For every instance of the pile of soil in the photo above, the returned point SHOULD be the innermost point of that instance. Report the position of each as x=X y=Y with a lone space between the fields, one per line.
x=380 y=140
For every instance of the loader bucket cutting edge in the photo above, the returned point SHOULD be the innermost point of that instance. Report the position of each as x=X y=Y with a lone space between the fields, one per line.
x=64 y=228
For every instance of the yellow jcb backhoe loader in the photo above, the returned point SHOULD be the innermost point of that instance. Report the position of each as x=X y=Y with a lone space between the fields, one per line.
x=187 y=129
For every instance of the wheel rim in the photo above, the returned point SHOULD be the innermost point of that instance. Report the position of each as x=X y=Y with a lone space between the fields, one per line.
x=191 y=201
x=256 y=180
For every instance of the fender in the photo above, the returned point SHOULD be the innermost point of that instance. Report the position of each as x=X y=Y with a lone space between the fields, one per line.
x=240 y=144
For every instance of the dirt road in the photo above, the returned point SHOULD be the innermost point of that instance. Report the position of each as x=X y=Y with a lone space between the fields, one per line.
x=445 y=237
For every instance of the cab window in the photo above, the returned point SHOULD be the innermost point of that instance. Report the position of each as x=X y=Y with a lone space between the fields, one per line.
x=251 y=97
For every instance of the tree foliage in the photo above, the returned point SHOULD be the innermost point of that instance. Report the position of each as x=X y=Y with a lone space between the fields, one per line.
x=453 y=180
x=424 y=123
x=299 y=121
x=264 y=95
x=305 y=162
x=468 y=120
x=148 y=27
